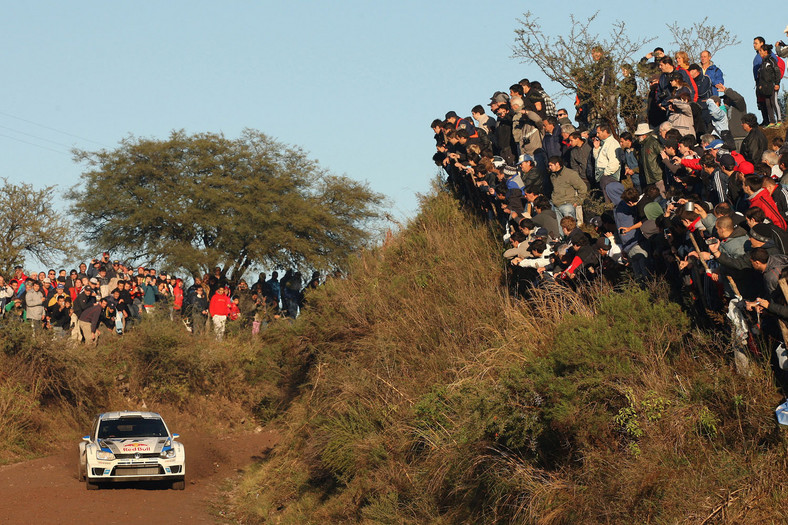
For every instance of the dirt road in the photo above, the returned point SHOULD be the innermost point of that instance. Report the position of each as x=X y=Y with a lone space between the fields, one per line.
x=46 y=490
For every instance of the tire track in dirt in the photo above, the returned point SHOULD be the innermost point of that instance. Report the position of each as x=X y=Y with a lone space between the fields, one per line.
x=46 y=490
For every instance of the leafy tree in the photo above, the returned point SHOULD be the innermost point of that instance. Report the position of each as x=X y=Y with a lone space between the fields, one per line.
x=197 y=201
x=29 y=225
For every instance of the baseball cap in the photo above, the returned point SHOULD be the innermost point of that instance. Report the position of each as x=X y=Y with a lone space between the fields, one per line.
x=727 y=161
x=525 y=157
x=499 y=97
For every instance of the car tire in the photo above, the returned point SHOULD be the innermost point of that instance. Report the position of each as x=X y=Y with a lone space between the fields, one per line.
x=179 y=485
x=90 y=485
x=81 y=472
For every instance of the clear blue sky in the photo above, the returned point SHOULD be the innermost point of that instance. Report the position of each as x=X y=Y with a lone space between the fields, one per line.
x=355 y=83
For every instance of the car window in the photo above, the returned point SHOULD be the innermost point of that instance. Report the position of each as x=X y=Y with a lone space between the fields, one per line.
x=131 y=428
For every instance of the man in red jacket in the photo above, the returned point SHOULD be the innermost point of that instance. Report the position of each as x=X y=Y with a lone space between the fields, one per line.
x=759 y=197
x=219 y=308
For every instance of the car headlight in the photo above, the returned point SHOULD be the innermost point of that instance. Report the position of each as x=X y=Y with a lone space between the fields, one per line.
x=168 y=454
x=106 y=456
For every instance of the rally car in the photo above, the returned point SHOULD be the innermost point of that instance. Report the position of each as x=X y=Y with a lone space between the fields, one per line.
x=131 y=446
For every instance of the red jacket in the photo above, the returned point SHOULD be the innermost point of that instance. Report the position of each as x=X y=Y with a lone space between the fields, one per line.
x=177 y=294
x=694 y=164
x=220 y=304
x=763 y=200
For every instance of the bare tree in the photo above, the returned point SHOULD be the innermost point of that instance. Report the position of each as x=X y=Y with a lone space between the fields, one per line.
x=701 y=36
x=29 y=225
x=570 y=60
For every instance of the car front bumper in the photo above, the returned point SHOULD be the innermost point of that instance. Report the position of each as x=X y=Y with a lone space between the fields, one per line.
x=135 y=470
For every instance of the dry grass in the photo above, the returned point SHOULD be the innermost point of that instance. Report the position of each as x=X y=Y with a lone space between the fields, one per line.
x=429 y=396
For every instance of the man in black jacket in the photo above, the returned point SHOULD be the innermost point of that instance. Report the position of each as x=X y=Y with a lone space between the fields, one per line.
x=84 y=300
x=755 y=143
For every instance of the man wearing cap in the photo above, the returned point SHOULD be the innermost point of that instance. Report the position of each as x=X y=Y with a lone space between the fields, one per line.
x=47 y=289
x=461 y=123
x=649 y=157
x=505 y=145
x=498 y=98
x=715 y=180
x=531 y=177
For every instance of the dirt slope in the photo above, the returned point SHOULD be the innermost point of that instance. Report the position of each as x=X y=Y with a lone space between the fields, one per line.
x=47 y=491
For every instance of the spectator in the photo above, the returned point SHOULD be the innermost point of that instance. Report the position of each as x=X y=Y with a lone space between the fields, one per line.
x=712 y=71
x=569 y=190
x=755 y=143
x=767 y=84
x=605 y=153
x=219 y=309
x=34 y=304
x=89 y=321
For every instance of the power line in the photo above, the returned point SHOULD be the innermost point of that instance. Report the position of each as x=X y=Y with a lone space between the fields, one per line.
x=34 y=144
x=52 y=129
x=35 y=136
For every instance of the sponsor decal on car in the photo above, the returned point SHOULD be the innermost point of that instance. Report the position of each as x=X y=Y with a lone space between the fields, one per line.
x=136 y=447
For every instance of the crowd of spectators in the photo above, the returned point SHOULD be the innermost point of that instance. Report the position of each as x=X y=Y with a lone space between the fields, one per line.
x=107 y=293
x=684 y=185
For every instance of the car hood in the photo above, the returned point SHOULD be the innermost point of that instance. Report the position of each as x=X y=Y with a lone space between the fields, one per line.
x=134 y=445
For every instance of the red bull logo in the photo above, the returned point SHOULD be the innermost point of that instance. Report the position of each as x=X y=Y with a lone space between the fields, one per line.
x=136 y=447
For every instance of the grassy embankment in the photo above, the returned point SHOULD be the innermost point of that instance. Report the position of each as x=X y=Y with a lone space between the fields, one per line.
x=432 y=397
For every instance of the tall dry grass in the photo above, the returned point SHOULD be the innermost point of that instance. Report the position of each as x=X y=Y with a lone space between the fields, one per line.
x=424 y=394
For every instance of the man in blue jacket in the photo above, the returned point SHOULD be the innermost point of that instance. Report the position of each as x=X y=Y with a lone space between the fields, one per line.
x=712 y=71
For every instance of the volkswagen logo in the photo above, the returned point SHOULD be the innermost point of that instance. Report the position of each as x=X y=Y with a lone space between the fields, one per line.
x=137 y=455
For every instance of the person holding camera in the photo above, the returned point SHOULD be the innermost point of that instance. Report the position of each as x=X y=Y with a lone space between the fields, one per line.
x=780 y=47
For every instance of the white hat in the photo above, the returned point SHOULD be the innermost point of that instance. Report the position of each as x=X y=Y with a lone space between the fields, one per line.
x=643 y=129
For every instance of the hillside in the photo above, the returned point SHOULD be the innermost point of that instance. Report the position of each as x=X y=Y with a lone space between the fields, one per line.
x=418 y=392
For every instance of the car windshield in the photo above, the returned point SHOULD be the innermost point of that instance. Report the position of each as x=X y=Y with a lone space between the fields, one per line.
x=132 y=427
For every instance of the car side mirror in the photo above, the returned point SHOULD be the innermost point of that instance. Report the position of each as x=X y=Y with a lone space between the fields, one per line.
x=86 y=438
x=176 y=436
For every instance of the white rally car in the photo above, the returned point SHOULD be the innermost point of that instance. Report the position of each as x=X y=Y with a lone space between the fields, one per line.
x=131 y=446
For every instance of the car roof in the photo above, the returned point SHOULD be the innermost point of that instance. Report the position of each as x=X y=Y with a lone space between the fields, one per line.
x=128 y=414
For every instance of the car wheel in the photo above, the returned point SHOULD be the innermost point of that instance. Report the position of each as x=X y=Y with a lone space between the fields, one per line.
x=90 y=485
x=179 y=485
